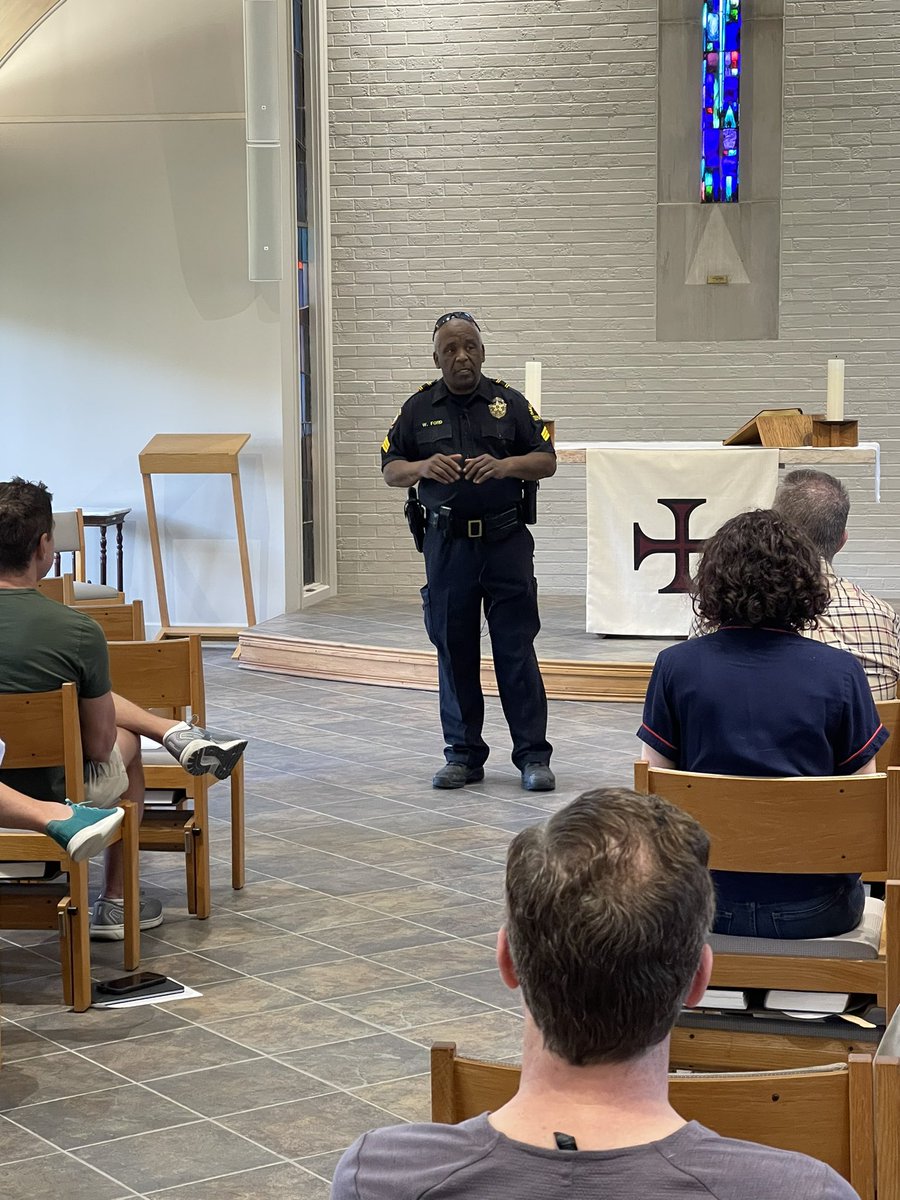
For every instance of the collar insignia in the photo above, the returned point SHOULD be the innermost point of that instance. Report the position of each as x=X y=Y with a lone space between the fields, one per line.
x=497 y=407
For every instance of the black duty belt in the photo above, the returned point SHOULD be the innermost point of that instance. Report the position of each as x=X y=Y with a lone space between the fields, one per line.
x=490 y=526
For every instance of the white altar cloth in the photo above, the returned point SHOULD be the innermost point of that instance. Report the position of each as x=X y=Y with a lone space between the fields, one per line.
x=650 y=506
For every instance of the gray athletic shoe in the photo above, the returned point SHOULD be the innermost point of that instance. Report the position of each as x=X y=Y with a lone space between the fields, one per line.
x=108 y=918
x=199 y=752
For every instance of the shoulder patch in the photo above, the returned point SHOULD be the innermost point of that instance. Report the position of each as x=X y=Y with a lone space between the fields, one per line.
x=500 y=382
x=426 y=386
x=535 y=415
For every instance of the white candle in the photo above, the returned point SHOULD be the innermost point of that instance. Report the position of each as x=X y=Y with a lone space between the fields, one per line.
x=834 y=396
x=533 y=385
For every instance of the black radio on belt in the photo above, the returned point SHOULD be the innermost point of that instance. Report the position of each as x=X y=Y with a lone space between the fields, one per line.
x=528 y=503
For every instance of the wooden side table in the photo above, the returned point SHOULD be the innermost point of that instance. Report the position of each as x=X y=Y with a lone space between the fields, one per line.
x=196 y=454
x=102 y=518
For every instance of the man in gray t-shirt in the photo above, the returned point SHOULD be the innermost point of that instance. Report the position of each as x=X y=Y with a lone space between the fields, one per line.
x=608 y=905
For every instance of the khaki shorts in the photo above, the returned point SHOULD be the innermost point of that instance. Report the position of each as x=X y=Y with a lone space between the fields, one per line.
x=105 y=783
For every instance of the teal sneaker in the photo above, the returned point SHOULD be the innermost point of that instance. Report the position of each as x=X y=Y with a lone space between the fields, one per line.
x=86 y=831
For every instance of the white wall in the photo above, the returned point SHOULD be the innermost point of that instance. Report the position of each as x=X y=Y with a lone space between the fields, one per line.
x=500 y=155
x=125 y=308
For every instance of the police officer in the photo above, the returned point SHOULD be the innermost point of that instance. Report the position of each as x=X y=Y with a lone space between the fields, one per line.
x=469 y=442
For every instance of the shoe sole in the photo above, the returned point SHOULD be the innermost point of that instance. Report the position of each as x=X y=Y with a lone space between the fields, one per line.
x=474 y=777
x=116 y=933
x=219 y=760
x=90 y=841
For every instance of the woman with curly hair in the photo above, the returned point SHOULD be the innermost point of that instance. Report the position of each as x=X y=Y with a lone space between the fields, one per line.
x=754 y=697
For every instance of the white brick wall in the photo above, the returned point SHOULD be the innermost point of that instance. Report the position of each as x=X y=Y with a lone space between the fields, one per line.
x=499 y=155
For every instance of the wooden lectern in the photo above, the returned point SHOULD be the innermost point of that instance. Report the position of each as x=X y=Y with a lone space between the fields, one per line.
x=196 y=454
x=774 y=427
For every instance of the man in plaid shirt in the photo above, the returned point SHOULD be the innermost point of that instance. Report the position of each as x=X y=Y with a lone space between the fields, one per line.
x=854 y=620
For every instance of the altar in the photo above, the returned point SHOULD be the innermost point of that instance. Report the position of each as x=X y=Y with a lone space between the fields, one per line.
x=651 y=505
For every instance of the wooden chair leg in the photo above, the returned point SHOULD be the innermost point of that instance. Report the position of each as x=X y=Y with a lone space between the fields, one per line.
x=64 y=924
x=201 y=846
x=190 y=869
x=80 y=932
x=132 y=899
x=238 y=851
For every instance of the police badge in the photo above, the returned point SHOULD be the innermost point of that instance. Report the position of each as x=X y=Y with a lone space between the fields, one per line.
x=497 y=407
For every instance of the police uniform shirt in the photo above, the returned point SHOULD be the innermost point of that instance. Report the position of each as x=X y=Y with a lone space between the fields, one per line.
x=495 y=419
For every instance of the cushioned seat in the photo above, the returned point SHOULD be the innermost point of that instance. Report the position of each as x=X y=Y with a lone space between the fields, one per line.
x=95 y=591
x=860 y=943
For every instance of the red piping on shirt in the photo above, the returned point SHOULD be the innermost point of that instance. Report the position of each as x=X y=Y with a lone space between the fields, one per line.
x=862 y=748
x=644 y=725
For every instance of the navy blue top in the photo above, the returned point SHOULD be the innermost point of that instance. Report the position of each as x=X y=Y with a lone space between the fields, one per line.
x=763 y=702
x=495 y=419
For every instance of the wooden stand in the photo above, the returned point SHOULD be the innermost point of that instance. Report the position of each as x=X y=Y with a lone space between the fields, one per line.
x=834 y=433
x=774 y=427
x=196 y=454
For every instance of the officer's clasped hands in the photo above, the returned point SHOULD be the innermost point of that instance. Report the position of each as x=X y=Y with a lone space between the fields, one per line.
x=485 y=466
x=444 y=468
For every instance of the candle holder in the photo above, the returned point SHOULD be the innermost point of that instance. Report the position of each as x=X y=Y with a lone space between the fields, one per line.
x=834 y=433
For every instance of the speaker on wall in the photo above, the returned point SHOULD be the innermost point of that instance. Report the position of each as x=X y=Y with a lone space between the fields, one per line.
x=264 y=212
x=261 y=69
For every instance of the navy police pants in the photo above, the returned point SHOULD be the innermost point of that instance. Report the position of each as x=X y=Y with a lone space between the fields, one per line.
x=463 y=575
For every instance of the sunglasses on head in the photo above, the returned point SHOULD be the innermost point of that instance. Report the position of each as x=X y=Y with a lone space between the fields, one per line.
x=455 y=316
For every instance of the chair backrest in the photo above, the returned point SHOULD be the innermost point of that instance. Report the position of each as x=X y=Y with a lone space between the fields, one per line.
x=889 y=754
x=41 y=729
x=830 y=824
x=887 y=1112
x=119 y=622
x=60 y=588
x=68 y=537
x=825 y=1112
x=164 y=675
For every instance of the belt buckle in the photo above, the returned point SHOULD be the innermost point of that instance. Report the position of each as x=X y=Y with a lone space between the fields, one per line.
x=474 y=527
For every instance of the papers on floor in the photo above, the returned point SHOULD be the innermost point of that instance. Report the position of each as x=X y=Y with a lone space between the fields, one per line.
x=161 y=994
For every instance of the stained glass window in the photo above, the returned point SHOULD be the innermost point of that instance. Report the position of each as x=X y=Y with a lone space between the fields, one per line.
x=721 y=110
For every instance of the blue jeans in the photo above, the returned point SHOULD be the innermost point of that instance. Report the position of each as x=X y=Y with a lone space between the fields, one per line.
x=823 y=916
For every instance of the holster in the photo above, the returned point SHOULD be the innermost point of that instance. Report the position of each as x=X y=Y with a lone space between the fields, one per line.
x=414 y=511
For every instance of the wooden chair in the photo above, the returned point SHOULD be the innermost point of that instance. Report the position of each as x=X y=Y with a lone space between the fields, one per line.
x=835 y=824
x=68 y=537
x=167 y=676
x=889 y=754
x=887 y=1112
x=60 y=588
x=826 y=1112
x=119 y=622
x=41 y=729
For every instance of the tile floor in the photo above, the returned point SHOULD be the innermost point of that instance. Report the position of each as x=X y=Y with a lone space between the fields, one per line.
x=364 y=933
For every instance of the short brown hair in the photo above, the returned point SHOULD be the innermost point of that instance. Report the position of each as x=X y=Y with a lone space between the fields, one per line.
x=818 y=504
x=26 y=514
x=759 y=569
x=608 y=906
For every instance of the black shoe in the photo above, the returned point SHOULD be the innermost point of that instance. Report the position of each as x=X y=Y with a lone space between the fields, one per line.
x=456 y=775
x=537 y=777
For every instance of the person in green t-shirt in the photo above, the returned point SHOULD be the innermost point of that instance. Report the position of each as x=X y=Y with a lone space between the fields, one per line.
x=43 y=645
